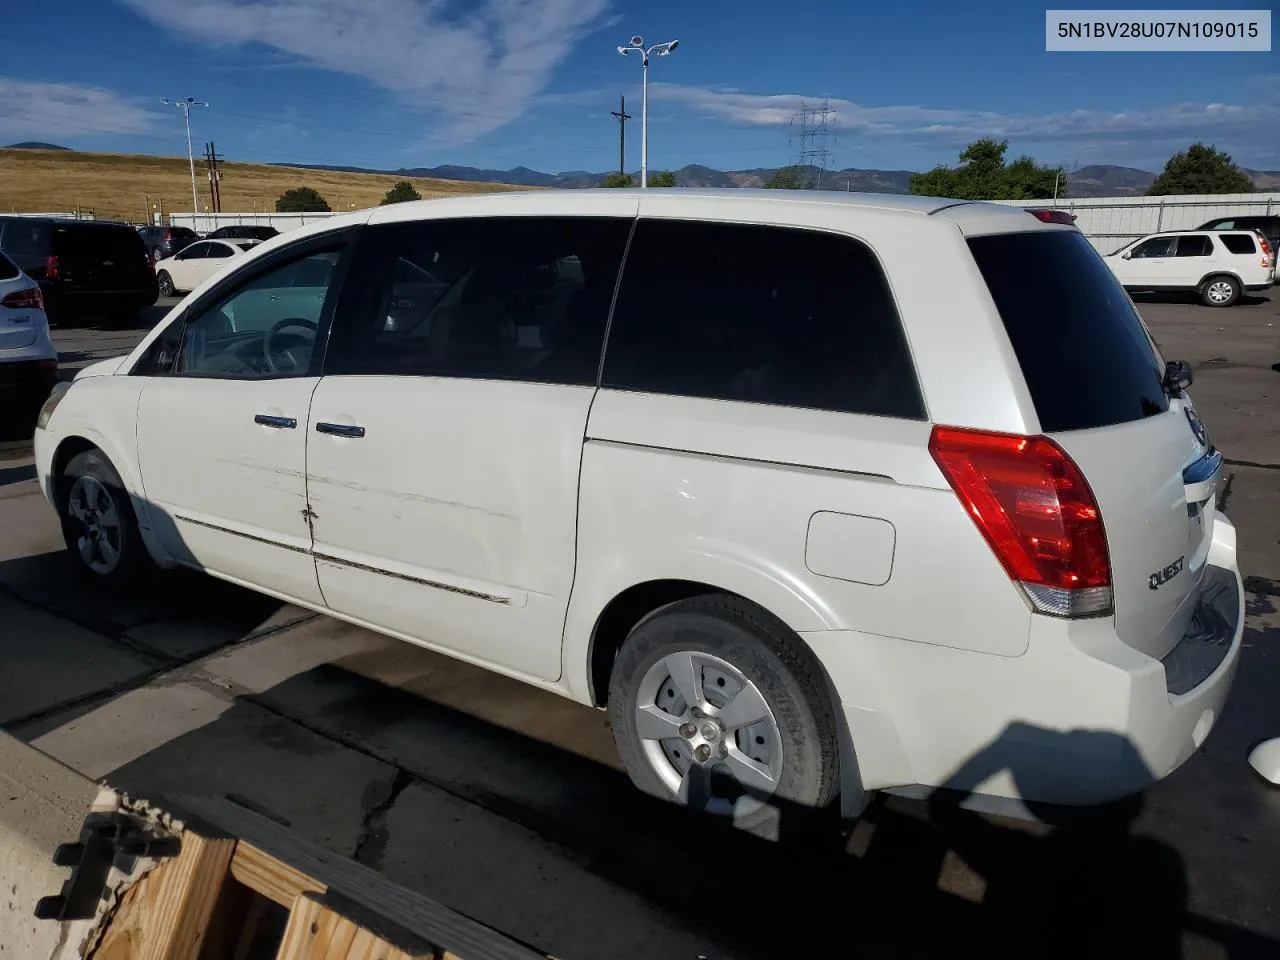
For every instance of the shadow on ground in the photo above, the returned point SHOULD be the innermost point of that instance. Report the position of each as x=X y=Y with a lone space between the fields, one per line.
x=1088 y=887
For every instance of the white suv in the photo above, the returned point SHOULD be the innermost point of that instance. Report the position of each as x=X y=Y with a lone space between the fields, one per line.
x=807 y=517
x=1217 y=265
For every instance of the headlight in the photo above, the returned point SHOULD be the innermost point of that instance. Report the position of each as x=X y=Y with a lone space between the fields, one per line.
x=55 y=397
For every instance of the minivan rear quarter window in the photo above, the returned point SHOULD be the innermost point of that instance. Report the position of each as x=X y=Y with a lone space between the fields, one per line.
x=1084 y=352
x=758 y=314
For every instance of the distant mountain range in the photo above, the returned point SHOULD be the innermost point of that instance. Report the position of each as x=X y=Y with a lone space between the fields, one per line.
x=1100 y=180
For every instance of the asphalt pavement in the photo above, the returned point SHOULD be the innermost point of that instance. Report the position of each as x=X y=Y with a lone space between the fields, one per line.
x=509 y=804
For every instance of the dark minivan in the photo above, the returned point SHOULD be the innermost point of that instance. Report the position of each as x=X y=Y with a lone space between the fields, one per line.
x=91 y=268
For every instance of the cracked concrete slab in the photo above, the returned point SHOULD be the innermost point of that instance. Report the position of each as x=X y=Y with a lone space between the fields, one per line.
x=48 y=661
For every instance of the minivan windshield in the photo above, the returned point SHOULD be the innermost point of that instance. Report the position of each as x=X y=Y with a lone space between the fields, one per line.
x=1086 y=355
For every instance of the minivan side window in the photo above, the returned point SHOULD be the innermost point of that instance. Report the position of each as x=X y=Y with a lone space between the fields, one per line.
x=502 y=298
x=264 y=329
x=757 y=314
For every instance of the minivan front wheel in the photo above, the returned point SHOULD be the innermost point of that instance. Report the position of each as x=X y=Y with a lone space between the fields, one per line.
x=98 y=526
x=713 y=707
x=1220 y=291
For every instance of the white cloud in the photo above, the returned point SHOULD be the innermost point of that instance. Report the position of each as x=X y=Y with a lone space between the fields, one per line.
x=477 y=71
x=959 y=126
x=33 y=109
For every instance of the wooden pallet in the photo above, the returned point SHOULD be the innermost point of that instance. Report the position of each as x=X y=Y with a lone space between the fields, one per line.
x=244 y=888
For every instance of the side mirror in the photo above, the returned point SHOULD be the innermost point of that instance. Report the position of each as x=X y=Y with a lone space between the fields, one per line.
x=1127 y=255
x=1177 y=375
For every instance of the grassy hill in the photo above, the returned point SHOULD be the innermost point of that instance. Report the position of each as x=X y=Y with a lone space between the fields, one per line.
x=125 y=186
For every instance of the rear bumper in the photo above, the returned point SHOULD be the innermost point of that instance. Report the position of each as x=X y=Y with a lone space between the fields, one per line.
x=1079 y=719
x=100 y=301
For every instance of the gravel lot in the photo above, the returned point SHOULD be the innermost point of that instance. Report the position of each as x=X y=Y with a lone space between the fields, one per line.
x=509 y=805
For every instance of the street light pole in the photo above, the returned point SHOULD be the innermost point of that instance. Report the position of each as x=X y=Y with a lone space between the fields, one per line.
x=185 y=106
x=661 y=49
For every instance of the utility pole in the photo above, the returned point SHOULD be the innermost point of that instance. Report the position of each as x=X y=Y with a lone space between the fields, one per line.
x=623 y=117
x=810 y=132
x=185 y=106
x=212 y=160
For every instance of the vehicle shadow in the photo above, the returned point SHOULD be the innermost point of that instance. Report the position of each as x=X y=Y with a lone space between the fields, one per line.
x=513 y=829
x=911 y=875
x=1246 y=299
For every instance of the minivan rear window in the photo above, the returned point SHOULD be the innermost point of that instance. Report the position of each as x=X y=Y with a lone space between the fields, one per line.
x=8 y=269
x=1084 y=351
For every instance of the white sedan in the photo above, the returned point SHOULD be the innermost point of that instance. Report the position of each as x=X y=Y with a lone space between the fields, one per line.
x=195 y=264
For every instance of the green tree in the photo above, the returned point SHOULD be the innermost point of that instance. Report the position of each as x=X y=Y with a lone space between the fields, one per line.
x=788 y=178
x=1200 y=169
x=301 y=200
x=663 y=178
x=983 y=175
x=618 y=180
x=402 y=192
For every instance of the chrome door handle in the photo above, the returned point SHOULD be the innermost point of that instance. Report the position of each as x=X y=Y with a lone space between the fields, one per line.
x=280 y=423
x=339 y=429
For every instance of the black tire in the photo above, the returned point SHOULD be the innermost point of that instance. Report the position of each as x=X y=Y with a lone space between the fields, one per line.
x=156 y=254
x=1225 y=288
x=164 y=284
x=768 y=654
x=95 y=470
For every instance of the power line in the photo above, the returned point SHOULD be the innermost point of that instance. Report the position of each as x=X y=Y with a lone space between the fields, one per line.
x=623 y=117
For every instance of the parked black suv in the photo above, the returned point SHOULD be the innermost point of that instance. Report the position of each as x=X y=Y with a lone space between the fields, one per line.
x=1269 y=227
x=92 y=268
x=166 y=241
x=246 y=232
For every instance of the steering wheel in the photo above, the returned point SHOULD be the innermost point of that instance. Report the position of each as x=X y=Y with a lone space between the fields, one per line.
x=268 y=341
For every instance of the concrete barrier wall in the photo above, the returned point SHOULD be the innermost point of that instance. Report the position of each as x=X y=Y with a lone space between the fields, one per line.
x=42 y=804
x=1112 y=222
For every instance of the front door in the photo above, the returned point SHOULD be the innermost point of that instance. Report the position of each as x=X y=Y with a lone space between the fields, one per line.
x=445 y=438
x=222 y=437
x=1147 y=264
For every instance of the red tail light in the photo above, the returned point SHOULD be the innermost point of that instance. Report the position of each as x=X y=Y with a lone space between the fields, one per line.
x=51 y=267
x=1054 y=216
x=168 y=235
x=1266 y=251
x=1035 y=509
x=24 y=300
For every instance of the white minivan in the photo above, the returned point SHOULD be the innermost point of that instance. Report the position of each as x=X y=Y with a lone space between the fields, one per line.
x=817 y=494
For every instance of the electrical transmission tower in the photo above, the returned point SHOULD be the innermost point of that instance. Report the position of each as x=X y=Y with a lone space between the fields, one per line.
x=810 y=142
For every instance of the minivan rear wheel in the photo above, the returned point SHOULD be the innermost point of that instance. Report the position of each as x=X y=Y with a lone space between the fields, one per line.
x=714 y=707
x=1220 y=291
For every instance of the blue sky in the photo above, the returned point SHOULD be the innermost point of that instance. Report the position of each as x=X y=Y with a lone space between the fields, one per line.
x=501 y=83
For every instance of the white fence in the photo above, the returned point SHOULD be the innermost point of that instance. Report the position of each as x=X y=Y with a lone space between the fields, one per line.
x=1108 y=222
x=208 y=222
x=74 y=215
x=1112 y=222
